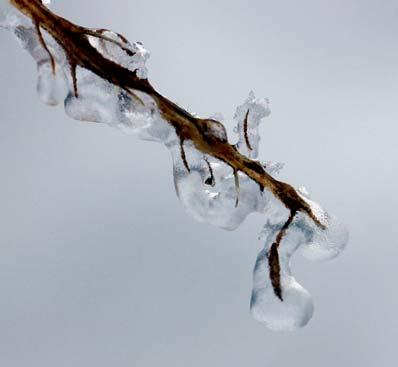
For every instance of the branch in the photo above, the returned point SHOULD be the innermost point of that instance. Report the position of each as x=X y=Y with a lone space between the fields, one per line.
x=73 y=39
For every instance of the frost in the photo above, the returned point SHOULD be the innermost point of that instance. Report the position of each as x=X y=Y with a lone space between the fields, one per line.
x=208 y=189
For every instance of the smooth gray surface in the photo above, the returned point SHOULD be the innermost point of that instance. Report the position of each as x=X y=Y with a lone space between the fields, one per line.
x=99 y=264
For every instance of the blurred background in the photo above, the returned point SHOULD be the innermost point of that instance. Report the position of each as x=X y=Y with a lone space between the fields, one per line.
x=99 y=264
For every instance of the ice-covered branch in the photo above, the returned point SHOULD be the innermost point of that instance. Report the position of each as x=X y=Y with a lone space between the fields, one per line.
x=101 y=77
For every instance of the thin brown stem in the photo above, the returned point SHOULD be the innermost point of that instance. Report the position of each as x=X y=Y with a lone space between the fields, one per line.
x=44 y=45
x=237 y=187
x=273 y=258
x=210 y=180
x=183 y=156
x=98 y=34
x=73 y=67
x=245 y=124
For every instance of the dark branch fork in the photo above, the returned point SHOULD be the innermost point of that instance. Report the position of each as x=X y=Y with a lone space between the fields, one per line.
x=74 y=41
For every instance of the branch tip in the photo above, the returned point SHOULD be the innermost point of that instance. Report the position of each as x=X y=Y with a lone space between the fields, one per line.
x=273 y=257
x=237 y=187
x=183 y=156
x=73 y=67
x=245 y=126
x=210 y=180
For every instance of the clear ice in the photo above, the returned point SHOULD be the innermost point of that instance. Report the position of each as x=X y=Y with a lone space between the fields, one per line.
x=208 y=191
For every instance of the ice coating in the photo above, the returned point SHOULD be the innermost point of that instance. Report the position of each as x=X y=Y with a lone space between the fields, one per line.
x=315 y=243
x=325 y=244
x=297 y=308
x=131 y=56
x=209 y=190
x=247 y=118
x=52 y=87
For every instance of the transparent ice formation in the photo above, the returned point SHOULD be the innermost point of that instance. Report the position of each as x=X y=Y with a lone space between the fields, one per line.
x=208 y=190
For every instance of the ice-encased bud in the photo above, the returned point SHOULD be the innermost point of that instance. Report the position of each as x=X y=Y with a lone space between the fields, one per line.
x=296 y=308
x=220 y=203
x=315 y=243
x=248 y=117
x=293 y=312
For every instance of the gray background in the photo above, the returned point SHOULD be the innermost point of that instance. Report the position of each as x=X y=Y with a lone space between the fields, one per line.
x=99 y=264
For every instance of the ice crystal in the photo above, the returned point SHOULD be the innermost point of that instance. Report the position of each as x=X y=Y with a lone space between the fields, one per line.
x=209 y=190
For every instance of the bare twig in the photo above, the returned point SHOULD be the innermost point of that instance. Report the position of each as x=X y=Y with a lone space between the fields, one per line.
x=73 y=66
x=188 y=127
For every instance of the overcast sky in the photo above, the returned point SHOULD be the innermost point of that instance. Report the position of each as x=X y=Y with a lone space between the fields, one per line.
x=99 y=264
